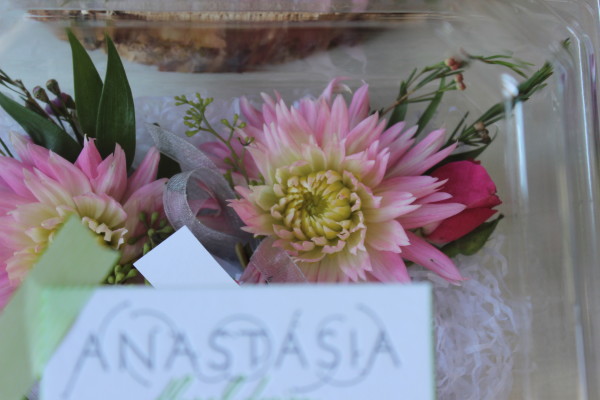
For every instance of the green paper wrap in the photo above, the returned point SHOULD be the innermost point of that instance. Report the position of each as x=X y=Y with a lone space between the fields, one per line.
x=44 y=307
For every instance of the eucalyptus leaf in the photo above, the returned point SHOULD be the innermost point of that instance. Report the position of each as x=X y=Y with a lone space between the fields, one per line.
x=473 y=241
x=42 y=131
x=116 y=113
x=88 y=86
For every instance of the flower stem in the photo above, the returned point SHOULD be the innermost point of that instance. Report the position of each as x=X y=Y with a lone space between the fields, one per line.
x=196 y=120
x=476 y=133
x=6 y=152
x=471 y=134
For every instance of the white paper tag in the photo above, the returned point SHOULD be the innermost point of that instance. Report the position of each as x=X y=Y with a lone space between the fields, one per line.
x=182 y=261
x=301 y=342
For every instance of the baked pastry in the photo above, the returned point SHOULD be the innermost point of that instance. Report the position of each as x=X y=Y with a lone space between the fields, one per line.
x=209 y=41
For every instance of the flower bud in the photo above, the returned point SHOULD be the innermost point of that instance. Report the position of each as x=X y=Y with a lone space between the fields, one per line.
x=53 y=87
x=40 y=94
x=469 y=184
x=453 y=63
x=67 y=101
x=56 y=107
x=460 y=85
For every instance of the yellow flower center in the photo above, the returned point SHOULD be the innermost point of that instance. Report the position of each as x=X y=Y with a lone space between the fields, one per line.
x=318 y=211
x=319 y=204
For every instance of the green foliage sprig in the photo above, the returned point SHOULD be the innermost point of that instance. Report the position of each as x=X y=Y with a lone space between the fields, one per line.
x=475 y=134
x=195 y=119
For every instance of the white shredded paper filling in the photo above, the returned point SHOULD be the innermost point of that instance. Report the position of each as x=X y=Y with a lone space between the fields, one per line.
x=475 y=328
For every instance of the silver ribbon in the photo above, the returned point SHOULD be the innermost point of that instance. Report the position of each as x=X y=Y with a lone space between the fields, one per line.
x=270 y=264
x=187 y=193
x=185 y=199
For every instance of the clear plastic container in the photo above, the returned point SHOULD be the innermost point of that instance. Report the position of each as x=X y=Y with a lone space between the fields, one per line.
x=543 y=160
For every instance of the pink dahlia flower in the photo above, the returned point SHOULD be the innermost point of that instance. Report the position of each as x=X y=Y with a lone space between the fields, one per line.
x=343 y=195
x=41 y=190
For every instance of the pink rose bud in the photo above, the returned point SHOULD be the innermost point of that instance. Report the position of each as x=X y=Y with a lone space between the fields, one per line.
x=469 y=184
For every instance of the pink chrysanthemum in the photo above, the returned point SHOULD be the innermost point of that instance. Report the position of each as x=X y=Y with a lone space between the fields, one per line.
x=343 y=195
x=41 y=190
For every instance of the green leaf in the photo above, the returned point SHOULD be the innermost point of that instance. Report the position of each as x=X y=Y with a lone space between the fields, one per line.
x=399 y=113
x=88 y=86
x=42 y=131
x=431 y=108
x=167 y=167
x=116 y=113
x=466 y=155
x=472 y=242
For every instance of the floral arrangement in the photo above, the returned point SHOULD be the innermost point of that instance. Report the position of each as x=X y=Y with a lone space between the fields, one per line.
x=323 y=190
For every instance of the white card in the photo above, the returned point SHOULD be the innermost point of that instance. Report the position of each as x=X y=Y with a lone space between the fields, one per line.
x=182 y=261
x=294 y=342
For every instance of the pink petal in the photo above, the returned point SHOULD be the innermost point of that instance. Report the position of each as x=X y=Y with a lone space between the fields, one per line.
x=326 y=270
x=354 y=266
x=323 y=115
x=89 y=159
x=393 y=205
x=426 y=255
x=359 y=107
x=268 y=109
x=66 y=174
x=388 y=236
x=257 y=222
x=435 y=197
x=11 y=173
x=334 y=86
x=101 y=207
x=429 y=213
x=46 y=190
x=111 y=175
x=9 y=200
x=21 y=145
x=399 y=146
x=145 y=172
x=32 y=214
x=251 y=114
x=308 y=108
x=391 y=134
x=375 y=176
x=388 y=267
x=338 y=121
x=363 y=134
x=419 y=186
x=423 y=156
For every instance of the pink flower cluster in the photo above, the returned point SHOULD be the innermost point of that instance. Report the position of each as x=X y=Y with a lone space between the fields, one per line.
x=348 y=199
x=41 y=189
